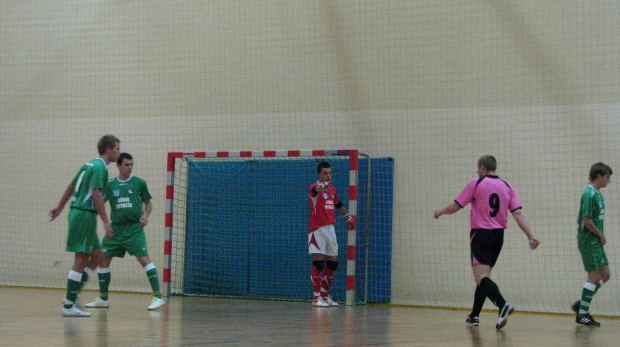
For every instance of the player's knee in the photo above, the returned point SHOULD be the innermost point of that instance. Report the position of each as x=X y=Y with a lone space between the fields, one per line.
x=319 y=264
x=605 y=277
x=332 y=264
x=487 y=285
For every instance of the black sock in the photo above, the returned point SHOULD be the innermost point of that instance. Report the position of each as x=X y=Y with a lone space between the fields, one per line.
x=479 y=298
x=492 y=292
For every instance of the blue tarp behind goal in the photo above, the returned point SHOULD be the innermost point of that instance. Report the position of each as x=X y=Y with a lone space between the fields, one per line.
x=247 y=228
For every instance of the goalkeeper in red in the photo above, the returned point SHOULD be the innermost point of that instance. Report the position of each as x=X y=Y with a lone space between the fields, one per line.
x=130 y=205
x=322 y=243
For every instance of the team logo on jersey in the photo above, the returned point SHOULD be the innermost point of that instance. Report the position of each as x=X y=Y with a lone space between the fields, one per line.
x=130 y=191
x=325 y=196
x=117 y=193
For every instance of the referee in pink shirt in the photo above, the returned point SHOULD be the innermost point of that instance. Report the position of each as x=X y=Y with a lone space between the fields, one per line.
x=491 y=198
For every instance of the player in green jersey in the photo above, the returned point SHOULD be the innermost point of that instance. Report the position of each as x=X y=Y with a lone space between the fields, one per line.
x=130 y=205
x=591 y=239
x=87 y=201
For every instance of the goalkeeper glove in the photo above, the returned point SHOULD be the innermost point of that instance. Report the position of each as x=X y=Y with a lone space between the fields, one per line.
x=351 y=221
x=322 y=187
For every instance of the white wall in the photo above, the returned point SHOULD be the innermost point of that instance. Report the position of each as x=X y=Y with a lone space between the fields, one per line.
x=435 y=84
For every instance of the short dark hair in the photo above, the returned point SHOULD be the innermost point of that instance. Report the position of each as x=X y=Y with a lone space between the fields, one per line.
x=122 y=157
x=322 y=165
x=107 y=141
x=488 y=161
x=599 y=169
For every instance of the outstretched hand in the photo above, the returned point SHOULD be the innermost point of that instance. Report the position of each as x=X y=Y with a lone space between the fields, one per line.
x=321 y=187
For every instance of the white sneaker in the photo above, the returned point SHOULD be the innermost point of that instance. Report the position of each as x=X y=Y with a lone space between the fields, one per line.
x=156 y=303
x=99 y=303
x=78 y=304
x=502 y=319
x=331 y=302
x=74 y=312
x=319 y=302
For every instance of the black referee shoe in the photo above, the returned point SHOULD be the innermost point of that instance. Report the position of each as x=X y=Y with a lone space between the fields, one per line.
x=473 y=321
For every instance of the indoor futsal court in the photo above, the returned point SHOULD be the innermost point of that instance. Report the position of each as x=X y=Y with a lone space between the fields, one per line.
x=199 y=321
x=230 y=109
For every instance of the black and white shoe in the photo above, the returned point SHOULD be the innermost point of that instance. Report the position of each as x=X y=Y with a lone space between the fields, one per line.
x=586 y=319
x=502 y=319
x=473 y=321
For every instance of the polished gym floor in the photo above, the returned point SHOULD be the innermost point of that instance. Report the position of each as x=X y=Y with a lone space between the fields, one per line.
x=31 y=317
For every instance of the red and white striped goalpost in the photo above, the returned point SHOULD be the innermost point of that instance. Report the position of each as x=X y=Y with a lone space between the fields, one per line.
x=352 y=208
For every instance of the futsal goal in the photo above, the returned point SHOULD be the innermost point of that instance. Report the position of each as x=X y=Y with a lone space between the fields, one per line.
x=236 y=224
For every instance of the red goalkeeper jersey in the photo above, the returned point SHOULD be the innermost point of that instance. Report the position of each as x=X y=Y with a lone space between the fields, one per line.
x=322 y=207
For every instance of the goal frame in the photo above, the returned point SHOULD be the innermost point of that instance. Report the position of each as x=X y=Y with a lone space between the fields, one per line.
x=352 y=204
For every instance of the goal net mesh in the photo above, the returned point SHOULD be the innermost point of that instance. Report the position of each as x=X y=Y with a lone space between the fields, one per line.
x=239 y=227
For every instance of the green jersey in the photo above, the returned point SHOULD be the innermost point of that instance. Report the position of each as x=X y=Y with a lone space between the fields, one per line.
x=593 y=206
x=92 y=175
x=126 y=199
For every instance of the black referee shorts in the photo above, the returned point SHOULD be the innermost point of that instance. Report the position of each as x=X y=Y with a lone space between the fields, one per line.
x=485 y=245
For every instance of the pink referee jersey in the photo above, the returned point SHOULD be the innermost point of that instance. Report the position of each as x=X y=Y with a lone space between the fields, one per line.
x=322 y=207
x=491 y=198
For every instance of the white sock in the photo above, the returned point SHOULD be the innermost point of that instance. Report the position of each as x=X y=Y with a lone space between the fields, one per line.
x=75 y=276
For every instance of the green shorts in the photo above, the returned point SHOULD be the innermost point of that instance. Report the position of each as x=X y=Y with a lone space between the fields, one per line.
x=82 y=236
x=128 y=238
x=592 y=252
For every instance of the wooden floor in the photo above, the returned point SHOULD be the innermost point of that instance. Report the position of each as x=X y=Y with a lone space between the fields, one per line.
x=31 y=317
